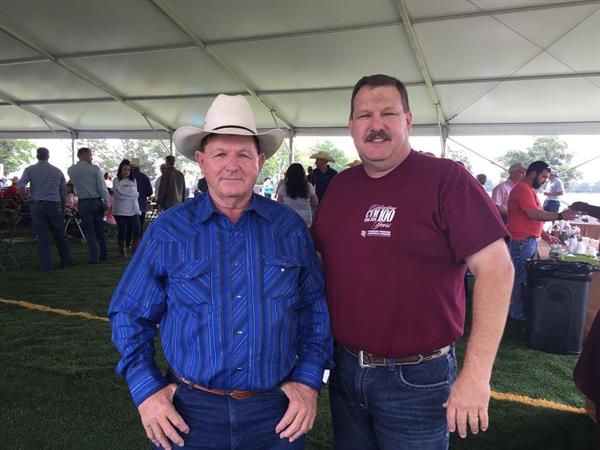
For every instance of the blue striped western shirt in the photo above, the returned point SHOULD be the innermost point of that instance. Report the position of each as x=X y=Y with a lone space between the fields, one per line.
x=240 y=307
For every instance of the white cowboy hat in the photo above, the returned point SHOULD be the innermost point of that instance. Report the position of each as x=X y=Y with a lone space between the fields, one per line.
x=228 y=114
x=135 y=162
x=322 y=155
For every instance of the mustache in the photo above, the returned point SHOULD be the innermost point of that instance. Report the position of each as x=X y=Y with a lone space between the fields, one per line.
x=379 y=134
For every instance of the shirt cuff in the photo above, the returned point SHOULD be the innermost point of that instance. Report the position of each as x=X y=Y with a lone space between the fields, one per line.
x=144 y=382
x=309 y=372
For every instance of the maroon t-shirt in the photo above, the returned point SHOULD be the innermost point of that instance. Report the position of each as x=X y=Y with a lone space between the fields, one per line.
x=394 y=252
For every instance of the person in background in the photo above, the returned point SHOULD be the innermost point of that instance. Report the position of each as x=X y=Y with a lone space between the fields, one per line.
x=482 y=178
x=525 y=222
x=12 y=193
x=554 y=191
x=297 y=193
x=93 y=202
x=108 y=180
x=172 y=186
x=144 y=188
x=237 y=288
x=163 y=169
x=202 y=185
x=48 y=192
x=323 y=174
x=72 y=200
x=501 y=192
x=268 y=188
x=126 y=208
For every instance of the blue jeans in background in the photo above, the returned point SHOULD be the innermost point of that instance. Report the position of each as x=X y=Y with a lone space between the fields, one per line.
x=551 y=205
x=91 y=212
x=221 y=422
x=390 y=408
x=48 y=217
x=128 y=226
x=520 y=251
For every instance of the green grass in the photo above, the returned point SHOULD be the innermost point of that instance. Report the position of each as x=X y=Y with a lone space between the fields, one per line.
x=59 y=389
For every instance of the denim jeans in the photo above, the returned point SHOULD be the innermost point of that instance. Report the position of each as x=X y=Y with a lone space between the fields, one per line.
x=128 y=226
x=48 y=216
x=390 y=408
x=91 y=212
x=551 y=205
x=221 y=422
x=520 y=251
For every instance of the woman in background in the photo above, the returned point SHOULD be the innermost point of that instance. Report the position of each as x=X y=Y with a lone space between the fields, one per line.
x=126 y=208
x=297 y=193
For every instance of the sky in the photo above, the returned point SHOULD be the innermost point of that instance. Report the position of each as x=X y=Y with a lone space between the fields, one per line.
x=585 y=148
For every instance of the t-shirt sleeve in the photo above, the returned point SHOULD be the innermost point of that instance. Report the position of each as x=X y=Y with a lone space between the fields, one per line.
x=524 y=201
x=467 y=214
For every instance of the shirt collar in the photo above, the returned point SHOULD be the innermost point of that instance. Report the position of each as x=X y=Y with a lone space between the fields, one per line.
x=206 y=207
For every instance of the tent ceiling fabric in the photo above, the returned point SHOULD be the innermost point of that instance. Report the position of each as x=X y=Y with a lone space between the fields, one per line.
x=141 y=68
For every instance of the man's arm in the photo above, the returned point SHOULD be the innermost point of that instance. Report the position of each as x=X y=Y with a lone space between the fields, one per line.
x=545 y=216
x=315 y=347
x=102 y=189
x=136 y=308
x=470 y=393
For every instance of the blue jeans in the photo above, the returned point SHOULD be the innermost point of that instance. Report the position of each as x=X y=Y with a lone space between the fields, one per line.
x=221 y=422
x=48 y=216
x=91 y=212
x=390 y=408
x=128 y=226
x=520 y=251
x=551 y=205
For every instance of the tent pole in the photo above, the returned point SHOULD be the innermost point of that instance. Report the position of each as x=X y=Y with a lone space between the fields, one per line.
x=73 y=138
x=170 y=142
x=291 y=133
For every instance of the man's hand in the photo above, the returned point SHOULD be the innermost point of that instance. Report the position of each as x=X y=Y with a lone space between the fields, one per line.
x=568 y=214
x=468 y=404
x=158 y=417
x=302 y=410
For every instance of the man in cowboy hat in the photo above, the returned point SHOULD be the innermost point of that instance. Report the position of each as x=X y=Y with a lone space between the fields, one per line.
x=322 y=175
x=396 y=235
x=237 y=288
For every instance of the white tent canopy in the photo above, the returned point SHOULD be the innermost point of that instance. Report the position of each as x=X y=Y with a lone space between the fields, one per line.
x=141 y=68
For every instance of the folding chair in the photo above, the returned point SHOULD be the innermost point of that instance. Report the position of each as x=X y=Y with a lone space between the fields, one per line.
x=7 y=225
x=72 y=216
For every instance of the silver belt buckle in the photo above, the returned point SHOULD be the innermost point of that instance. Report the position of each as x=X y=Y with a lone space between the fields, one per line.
x=361 y=361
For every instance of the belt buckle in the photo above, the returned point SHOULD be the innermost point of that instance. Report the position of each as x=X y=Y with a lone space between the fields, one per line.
x=361 y=360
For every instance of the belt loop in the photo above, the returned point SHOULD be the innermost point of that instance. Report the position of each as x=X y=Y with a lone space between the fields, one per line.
x=391 y=364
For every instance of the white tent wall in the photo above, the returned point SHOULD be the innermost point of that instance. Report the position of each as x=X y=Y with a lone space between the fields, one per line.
x=141 y=68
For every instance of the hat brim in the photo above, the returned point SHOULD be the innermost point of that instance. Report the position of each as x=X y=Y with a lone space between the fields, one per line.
x=187 y=139
x=323 y=157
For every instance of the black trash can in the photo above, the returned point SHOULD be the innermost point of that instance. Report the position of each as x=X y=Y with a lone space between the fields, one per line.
x=557 y=295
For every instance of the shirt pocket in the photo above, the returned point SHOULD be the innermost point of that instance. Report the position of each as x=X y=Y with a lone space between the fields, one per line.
x=190 y=284
x=280 y=278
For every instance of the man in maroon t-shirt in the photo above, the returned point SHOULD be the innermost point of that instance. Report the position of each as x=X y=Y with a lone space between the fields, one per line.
x=396 y=235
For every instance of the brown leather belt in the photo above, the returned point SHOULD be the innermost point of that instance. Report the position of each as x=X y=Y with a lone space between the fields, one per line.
x=366 y=359
x=238 y=395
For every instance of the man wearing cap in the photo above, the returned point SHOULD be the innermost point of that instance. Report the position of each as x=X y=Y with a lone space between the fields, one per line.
x=396 y=235
x=554 y=191
x=525 y=222
x=501 y=192
x=323 y=174
x=47 y=189
x=236 y=286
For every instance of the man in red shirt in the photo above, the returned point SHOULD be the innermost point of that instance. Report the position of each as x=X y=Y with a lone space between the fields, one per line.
x=396 y=235
x=525 y=222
